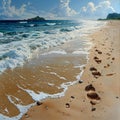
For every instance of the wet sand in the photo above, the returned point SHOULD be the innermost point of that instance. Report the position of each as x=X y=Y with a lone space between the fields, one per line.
x=98 y=96
x=45 y=73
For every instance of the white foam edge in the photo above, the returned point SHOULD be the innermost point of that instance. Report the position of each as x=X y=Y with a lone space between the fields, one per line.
x=80 y=52
x=41 y=96
x=53 y=43
x=22 y=22
x=51 y=84
x=54 y=73
x=51 y=24
x=63 y=52
x=61 y=77
x=1 y=34
x=22 y=109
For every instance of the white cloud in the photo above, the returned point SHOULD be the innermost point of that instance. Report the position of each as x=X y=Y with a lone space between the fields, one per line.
x=10 y=10
x=105 y=5
x=66 y=9
x=100 y=10
x=91 y=7
x=84 y=9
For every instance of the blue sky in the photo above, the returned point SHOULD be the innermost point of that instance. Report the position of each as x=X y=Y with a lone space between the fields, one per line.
x=57 y=9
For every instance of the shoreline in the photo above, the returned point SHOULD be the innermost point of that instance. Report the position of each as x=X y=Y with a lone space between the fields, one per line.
x=44 y=75
x=99 y=94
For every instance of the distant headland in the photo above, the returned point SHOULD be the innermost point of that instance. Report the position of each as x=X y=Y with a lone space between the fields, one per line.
x=112 y=16
x=37 y=18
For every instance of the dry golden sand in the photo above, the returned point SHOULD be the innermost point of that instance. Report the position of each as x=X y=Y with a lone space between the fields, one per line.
x=98 y=97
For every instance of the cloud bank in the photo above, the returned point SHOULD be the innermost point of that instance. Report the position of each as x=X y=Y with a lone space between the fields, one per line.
x=66 y=9
x=63 y=10
x=100 y=10
x=10 y=10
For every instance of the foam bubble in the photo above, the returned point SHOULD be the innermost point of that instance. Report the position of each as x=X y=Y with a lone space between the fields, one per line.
x=1 y=34
x=22 y=109
x=22 y=46
x=56 y=52
x=80 y=52
x=50 y=24
x=22 y=22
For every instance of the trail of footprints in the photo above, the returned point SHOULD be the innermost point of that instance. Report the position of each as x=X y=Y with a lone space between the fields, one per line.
x=90 y=89
x=92 y=96
x=94 y=71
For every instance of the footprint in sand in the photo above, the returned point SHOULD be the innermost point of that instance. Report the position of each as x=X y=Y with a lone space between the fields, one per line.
x=95 y=73
x=98 y=51
x=108 y=54
x=89 y=88
x=97 y=60
x=113 y=58
x=67 y=105
x=93 y=109
x=92 y=95
x=103 y=44
x=93 y=69
x=72 y=97
x=107 y=66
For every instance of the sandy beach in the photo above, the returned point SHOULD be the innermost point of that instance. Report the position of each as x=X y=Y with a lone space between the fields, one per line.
x=98 y=96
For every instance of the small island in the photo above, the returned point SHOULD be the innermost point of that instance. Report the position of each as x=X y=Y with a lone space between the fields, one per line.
x=35 y=19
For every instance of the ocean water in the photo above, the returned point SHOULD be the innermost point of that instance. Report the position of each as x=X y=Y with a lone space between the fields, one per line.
x=47 y=76
x=20 y=40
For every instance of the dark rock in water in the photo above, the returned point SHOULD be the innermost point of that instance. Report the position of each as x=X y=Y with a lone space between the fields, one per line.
x=26 y=115
x=25 y=35
x=80 y=81
x=89 y=87
x=39 y=103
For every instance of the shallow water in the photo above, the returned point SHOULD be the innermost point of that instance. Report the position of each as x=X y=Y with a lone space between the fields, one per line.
x=44 y=72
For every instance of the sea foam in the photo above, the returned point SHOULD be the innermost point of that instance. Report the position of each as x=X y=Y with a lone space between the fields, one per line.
x=18 y=47
x=16 y=53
